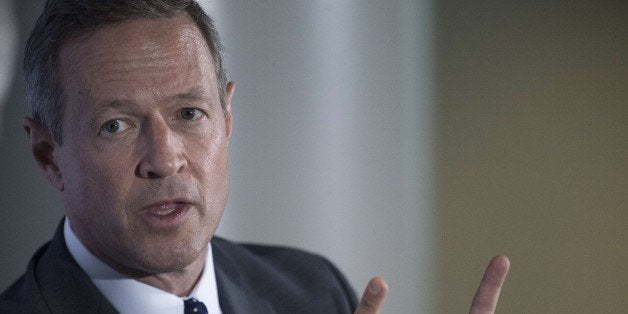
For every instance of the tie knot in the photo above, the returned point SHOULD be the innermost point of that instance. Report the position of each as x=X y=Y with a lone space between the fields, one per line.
x=194 y=306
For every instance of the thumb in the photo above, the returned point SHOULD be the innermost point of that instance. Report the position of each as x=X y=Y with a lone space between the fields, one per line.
x=373 y=297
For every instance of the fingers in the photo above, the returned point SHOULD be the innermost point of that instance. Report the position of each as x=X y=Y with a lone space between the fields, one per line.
x=485 y=299
x=373 y=297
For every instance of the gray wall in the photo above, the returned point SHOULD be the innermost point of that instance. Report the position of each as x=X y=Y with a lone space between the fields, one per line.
x=333 y=132
x=31 y=208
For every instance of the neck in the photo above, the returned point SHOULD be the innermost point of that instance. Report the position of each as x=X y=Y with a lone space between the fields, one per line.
x=180 y=282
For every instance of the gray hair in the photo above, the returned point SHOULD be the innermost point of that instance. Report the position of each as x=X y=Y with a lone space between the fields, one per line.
x=63 y=20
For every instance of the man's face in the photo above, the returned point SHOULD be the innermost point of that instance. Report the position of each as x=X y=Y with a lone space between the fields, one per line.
x=143 y=164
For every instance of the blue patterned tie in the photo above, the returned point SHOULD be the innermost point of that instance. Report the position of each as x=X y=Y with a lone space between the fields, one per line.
x=194 y=306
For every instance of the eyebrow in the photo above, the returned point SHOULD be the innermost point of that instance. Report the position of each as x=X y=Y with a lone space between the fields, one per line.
x=196 y=93
x=105 y=106
x=114 y=104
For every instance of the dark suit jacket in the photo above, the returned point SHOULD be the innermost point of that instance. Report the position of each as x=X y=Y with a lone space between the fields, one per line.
x=250 y=278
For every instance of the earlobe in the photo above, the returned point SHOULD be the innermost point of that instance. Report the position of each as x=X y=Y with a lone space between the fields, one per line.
x=43 y=146
x=230 y=88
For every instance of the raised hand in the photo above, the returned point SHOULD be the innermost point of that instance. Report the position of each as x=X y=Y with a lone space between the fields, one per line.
x=485 y=299
x=373 y=297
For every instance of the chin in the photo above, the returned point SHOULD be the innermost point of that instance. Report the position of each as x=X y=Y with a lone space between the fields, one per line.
x=172 y=258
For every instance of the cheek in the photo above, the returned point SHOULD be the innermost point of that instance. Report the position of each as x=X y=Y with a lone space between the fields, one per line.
x=98 y=178
x=208 y=150
x=212 y=167
x=214 y=158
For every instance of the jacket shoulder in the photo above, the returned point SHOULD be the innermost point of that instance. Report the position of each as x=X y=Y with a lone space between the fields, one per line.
x=288 y=278
x=54 y=283
x=24 y=296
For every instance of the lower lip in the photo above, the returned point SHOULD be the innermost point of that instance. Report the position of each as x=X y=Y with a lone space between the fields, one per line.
x=166 y=216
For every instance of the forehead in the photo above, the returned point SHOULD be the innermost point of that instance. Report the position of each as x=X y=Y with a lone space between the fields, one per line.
x=142 y=56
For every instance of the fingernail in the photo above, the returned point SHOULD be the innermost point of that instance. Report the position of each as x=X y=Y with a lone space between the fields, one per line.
x=374 y=288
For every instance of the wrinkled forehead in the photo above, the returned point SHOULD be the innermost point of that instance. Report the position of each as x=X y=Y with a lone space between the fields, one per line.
x=142 y=32
x=151 y=50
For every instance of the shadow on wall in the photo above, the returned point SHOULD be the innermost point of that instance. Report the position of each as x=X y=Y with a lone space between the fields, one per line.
x=30 y=207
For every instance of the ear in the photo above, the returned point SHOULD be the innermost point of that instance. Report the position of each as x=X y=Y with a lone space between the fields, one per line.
x=43 y=146
x=228 y=115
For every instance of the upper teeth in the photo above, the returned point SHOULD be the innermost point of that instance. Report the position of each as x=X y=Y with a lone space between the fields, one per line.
x=163 y=212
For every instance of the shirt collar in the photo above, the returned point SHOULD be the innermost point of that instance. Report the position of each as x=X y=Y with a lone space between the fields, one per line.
x=131 y=296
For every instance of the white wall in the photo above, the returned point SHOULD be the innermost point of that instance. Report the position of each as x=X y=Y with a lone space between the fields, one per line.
x=332 y=149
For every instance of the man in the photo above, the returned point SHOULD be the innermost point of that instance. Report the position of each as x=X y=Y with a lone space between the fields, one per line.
x=131 y=120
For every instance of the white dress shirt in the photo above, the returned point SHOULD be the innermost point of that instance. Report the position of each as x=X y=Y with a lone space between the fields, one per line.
x=131 y=296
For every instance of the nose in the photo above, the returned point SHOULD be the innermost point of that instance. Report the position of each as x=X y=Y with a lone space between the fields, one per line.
x=162 y=154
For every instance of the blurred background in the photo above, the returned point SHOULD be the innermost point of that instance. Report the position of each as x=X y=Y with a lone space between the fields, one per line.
x=409 y=139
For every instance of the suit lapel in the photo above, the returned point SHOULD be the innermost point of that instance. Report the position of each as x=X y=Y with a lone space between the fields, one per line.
x=233 y=294
x=64 y=285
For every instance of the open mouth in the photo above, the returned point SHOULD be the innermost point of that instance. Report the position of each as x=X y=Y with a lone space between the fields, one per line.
x=166 y=214
x=167 y=209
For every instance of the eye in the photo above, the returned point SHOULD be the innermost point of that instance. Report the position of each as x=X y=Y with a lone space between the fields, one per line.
x=190 y=114
x=115 y=126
